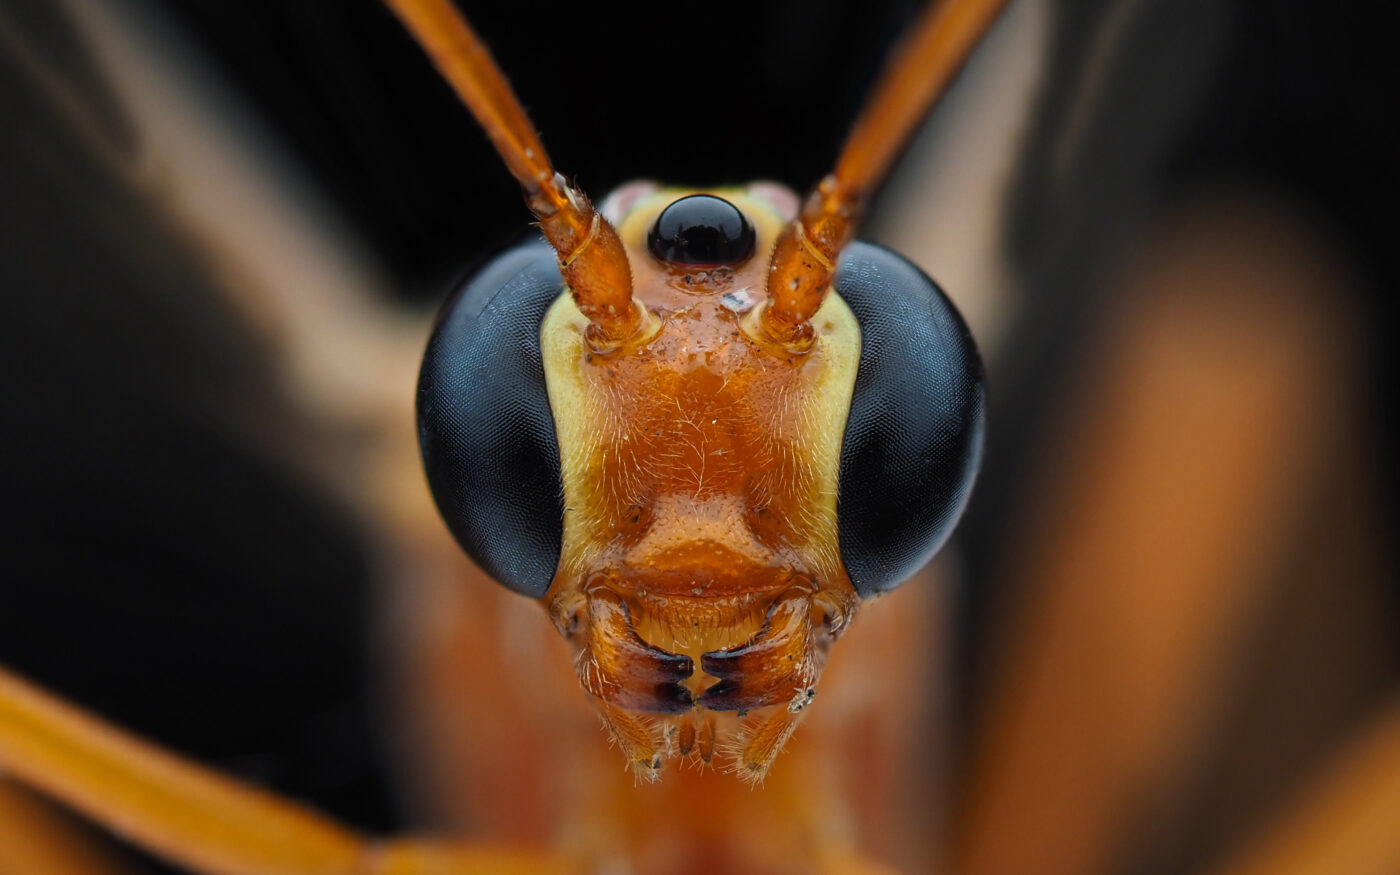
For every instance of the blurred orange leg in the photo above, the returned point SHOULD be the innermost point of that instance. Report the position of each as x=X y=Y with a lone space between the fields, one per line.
x=37 y=837
x=195 y=817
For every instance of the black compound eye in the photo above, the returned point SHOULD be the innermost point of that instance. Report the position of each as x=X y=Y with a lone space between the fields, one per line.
x=913 y=440
x=485 y=424
x=701 y=231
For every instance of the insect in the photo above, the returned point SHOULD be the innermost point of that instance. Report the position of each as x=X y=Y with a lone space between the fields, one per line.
x=723 y=428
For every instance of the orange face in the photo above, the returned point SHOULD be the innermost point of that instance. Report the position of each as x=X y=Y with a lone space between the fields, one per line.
x=699 y=414
x=700 y=574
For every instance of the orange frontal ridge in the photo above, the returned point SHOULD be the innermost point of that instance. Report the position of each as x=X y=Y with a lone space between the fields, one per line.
x=700 y=576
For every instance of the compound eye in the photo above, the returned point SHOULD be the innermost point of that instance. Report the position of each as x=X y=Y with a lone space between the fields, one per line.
x=913 y=440
x=701 y=230
x=485 y=425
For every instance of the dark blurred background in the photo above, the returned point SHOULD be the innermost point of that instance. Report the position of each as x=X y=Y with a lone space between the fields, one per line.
x=192 y=189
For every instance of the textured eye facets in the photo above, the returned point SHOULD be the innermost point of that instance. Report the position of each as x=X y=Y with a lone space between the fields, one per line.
x=701 y=231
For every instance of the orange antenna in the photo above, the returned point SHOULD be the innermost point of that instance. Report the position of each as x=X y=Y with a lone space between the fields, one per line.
x=804 y=258
x=591 y=256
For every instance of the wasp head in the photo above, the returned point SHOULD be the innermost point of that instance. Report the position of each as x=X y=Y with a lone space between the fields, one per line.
x=700 y=576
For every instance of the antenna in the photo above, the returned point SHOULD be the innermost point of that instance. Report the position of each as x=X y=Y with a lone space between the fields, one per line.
x=591 y=257
x=920 y=72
